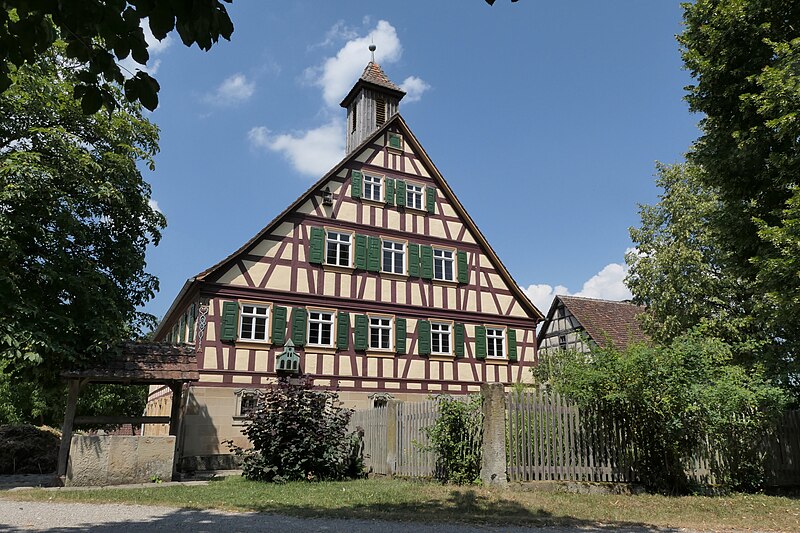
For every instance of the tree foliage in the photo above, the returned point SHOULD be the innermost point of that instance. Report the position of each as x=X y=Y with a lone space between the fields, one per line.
x=75 y=221
x=100 y=33
x=670 y=398
x=745 y=58
x=298 y=433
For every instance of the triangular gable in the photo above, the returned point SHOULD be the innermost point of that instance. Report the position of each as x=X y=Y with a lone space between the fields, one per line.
x=366 y=154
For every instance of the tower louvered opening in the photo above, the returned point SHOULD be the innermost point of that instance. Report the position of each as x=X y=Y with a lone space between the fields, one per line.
x=380 y=111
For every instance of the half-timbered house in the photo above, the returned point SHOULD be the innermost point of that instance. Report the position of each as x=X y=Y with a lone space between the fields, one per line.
x=576 y=323
x=382 y=281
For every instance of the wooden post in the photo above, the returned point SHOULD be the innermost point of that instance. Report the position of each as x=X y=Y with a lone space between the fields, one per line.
x=493 y=456
x=66 y=429
x=175 y=420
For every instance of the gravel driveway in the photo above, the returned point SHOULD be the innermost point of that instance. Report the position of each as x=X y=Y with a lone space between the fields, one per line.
x=43 y=516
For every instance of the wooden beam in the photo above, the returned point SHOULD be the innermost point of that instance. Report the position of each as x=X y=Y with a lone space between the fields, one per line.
x=66 y=429
x=117 y=420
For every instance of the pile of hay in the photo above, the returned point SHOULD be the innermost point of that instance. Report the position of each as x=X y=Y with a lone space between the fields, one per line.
x=27 y=449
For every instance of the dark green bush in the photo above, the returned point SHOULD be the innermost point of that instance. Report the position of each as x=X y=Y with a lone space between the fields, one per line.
x=300 y=434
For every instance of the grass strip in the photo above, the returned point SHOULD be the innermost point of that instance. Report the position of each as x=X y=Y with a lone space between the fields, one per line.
x=413 y=501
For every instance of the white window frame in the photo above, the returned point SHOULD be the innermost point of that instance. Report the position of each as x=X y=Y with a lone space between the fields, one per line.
x=418 y=193
x=318 y=322
x=387 y=324
x=243 y=395
x=442 y=330
x=439 y=255
x=394 y=251
x=373 y=184
x=254 y=316
x=339 y=244
x=495 y=335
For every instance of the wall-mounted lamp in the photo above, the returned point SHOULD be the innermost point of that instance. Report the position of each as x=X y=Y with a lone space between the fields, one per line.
x=327 y=196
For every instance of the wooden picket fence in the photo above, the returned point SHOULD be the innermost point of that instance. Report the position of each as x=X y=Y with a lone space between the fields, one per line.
x=394 y=440
x=550 y=438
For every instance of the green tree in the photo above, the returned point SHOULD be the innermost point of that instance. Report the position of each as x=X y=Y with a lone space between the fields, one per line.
x=745 y=58
x=670 y=398
x=678 y=270
x=99 y=33
x=75 y=221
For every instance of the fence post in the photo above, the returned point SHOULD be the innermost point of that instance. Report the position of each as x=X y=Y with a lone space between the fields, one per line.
x=391 y=436
x=493 y=453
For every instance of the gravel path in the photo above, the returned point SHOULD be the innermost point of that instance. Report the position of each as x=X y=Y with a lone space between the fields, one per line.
x=43 y=516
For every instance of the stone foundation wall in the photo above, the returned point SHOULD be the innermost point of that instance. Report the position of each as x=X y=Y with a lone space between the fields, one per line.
x=96 y=460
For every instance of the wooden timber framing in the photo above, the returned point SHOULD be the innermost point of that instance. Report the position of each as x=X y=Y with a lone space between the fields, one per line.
x=130 y=364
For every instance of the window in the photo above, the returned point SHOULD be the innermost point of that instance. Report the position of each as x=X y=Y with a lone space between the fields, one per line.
x=443 y=265
x=380 y=111
x=414 y=196
x=372 y=188
x=562 y=342
x=253 y=322
x=394 y=254
x=355 y=110
x=246 y=402
x=338 y=249
x=395 y=141
x=320 y=328
x=495 y=342
x=380 y=333
x=440 y=338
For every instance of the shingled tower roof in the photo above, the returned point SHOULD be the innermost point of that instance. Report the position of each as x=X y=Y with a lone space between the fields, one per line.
x=375 y=78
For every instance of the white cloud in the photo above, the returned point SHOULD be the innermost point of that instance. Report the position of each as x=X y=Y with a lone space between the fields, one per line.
x=312 y=152
x=414 y=87
x=337 y=74
x=154 y=46
x=154 y=206
x=608 y=284
x=338 y=32
x=233 y=90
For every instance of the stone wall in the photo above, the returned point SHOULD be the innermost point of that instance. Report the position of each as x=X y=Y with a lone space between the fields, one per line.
x=96 y=460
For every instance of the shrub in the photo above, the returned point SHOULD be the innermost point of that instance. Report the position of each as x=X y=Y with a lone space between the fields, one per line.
x=299 y=434
x=455 y=438
x=26 y=449
x=675 y=400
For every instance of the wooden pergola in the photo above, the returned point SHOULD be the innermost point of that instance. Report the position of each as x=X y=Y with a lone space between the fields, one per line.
x=132 y=364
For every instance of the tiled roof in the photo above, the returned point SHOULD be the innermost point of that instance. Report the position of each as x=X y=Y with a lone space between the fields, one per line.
x=605 y=320
x=373 y=73
x=143 y=363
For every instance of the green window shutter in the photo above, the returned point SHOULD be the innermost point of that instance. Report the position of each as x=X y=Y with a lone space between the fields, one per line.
x=361 y=252
x=299 y=318
x=480 y=342
x=401 y=193
x=182 y=329
x=394 y=141
x=356 y=184
x=389 y=191
x=413 y=260
x=278 y=325
x=512 y=344
x=461 y=263
x=430 y=199
x=423 y=337
x=400 y=335
x=192 y=312
x=361 y=332
x=374 y=254
x=343 y=330
x=229 y=321
x=426 y=262
x=316 y=246
x=458 y=333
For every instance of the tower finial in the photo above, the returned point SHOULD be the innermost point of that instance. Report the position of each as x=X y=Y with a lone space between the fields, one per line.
x=372 y=49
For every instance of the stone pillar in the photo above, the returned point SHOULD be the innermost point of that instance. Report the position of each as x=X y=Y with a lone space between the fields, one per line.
x=493 y=456
x=391 y=435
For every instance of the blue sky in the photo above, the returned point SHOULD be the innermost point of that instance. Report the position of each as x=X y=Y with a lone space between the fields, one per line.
x=546 y=118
